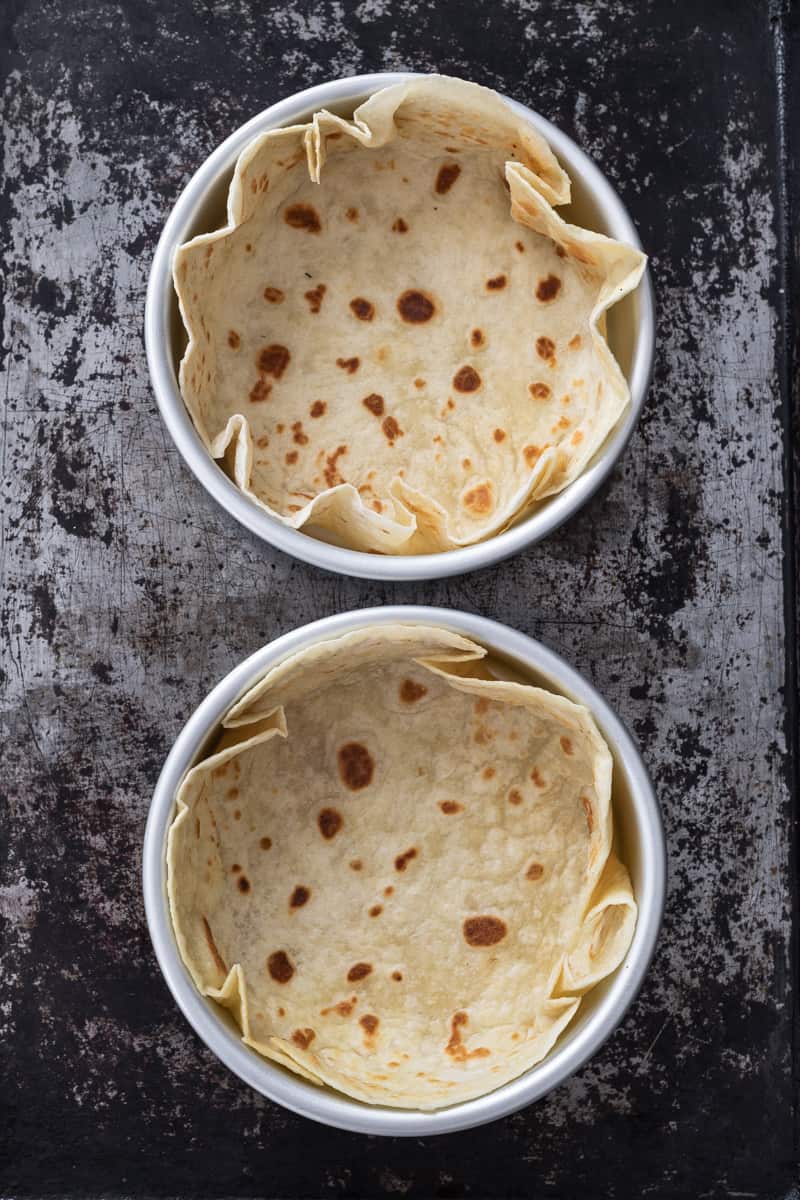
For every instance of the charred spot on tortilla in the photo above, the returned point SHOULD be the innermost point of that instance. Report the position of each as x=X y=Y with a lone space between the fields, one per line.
x=484 y=931
x=315 y=297
x=356 y=766
x=466 y=379
x=330 y=822
x=402 y=860
x=358 y=971
x=362 y=309
x=446 y=177
x=303 y=216
x=411 y=691
x=280 y=966
x=374 y=403
x=546 y=349
x=273 y=360
x=415 y=307
x=303 y=1038
x=391 y=429
x=300 y=896
x=478 y=500
x=547 y=289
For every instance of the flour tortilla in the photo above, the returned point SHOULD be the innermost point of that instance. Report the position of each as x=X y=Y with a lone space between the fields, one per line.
x=395 y=343
x=396 y=870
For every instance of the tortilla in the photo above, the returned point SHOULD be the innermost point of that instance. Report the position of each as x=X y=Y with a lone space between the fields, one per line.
x=396 y=870
x=395 y=343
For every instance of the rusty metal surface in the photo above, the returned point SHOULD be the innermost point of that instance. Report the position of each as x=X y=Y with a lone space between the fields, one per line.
x=126 y=594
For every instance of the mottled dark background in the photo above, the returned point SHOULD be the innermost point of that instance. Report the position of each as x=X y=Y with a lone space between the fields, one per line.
x=127 y=593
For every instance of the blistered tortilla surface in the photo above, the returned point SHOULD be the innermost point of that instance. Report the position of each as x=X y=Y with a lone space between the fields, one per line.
x=397 y=871
x=395 y=341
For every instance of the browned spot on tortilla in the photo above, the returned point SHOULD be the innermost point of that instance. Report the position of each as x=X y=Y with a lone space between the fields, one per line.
x=332 y=475
x=411 y=691
x=520 y=247
x=561 y=252
x=280 y=966
x=496 y=283
x=531 y=453
x=548 y=289
x=330 y=822
x=356 y=864
x=369 y=1024
x=317 y=408
x=352 y=214
x=359 y=970
x=376 y=910
x=299 y=896
x=415 y=307
x=259 y=391
x=466 y=379
x=539 y=391
x=356 y=766
x=303 y=216
x=536 y=777
x=499 y=435
x=343 y=1008
x=232 y=793
x=484 y=931
x=298 y=437
x=419 y=383
x=219 y=961
x=479 y=499
x=262 y=442
x=234 y=341
x=197 y=826
x=450 y=402
x=397 y=976
x=489 y=772
x=566 y=745
x=279 y=428
x=281 y=1012
x=515 y=796
x=450 y=806
x=576 y=438
x=391 y=429
x=476 y=337
x=399 y=226
x=243 y=884
x=265 y=843
x=446 y=177
x=303 y=1038
x=237 y=814
x=273 y=360
x=587 y=808
x=315 y=297
x=274 y=295
x=350 y=365
x=455 y=1047
x=235 y=868
x=388 y=891
x=402 y=860
x=374 y=403
x=466 y=463
x=362 y=309
x=575 y=342
x=291 y=457
x=546 y=349
x=534 y=871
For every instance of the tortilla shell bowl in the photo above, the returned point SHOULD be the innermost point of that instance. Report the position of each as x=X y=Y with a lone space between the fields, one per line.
x=638 y=840
x=201 y=207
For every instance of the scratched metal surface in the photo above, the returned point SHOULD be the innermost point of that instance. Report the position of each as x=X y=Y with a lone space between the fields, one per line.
x=127 y=594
